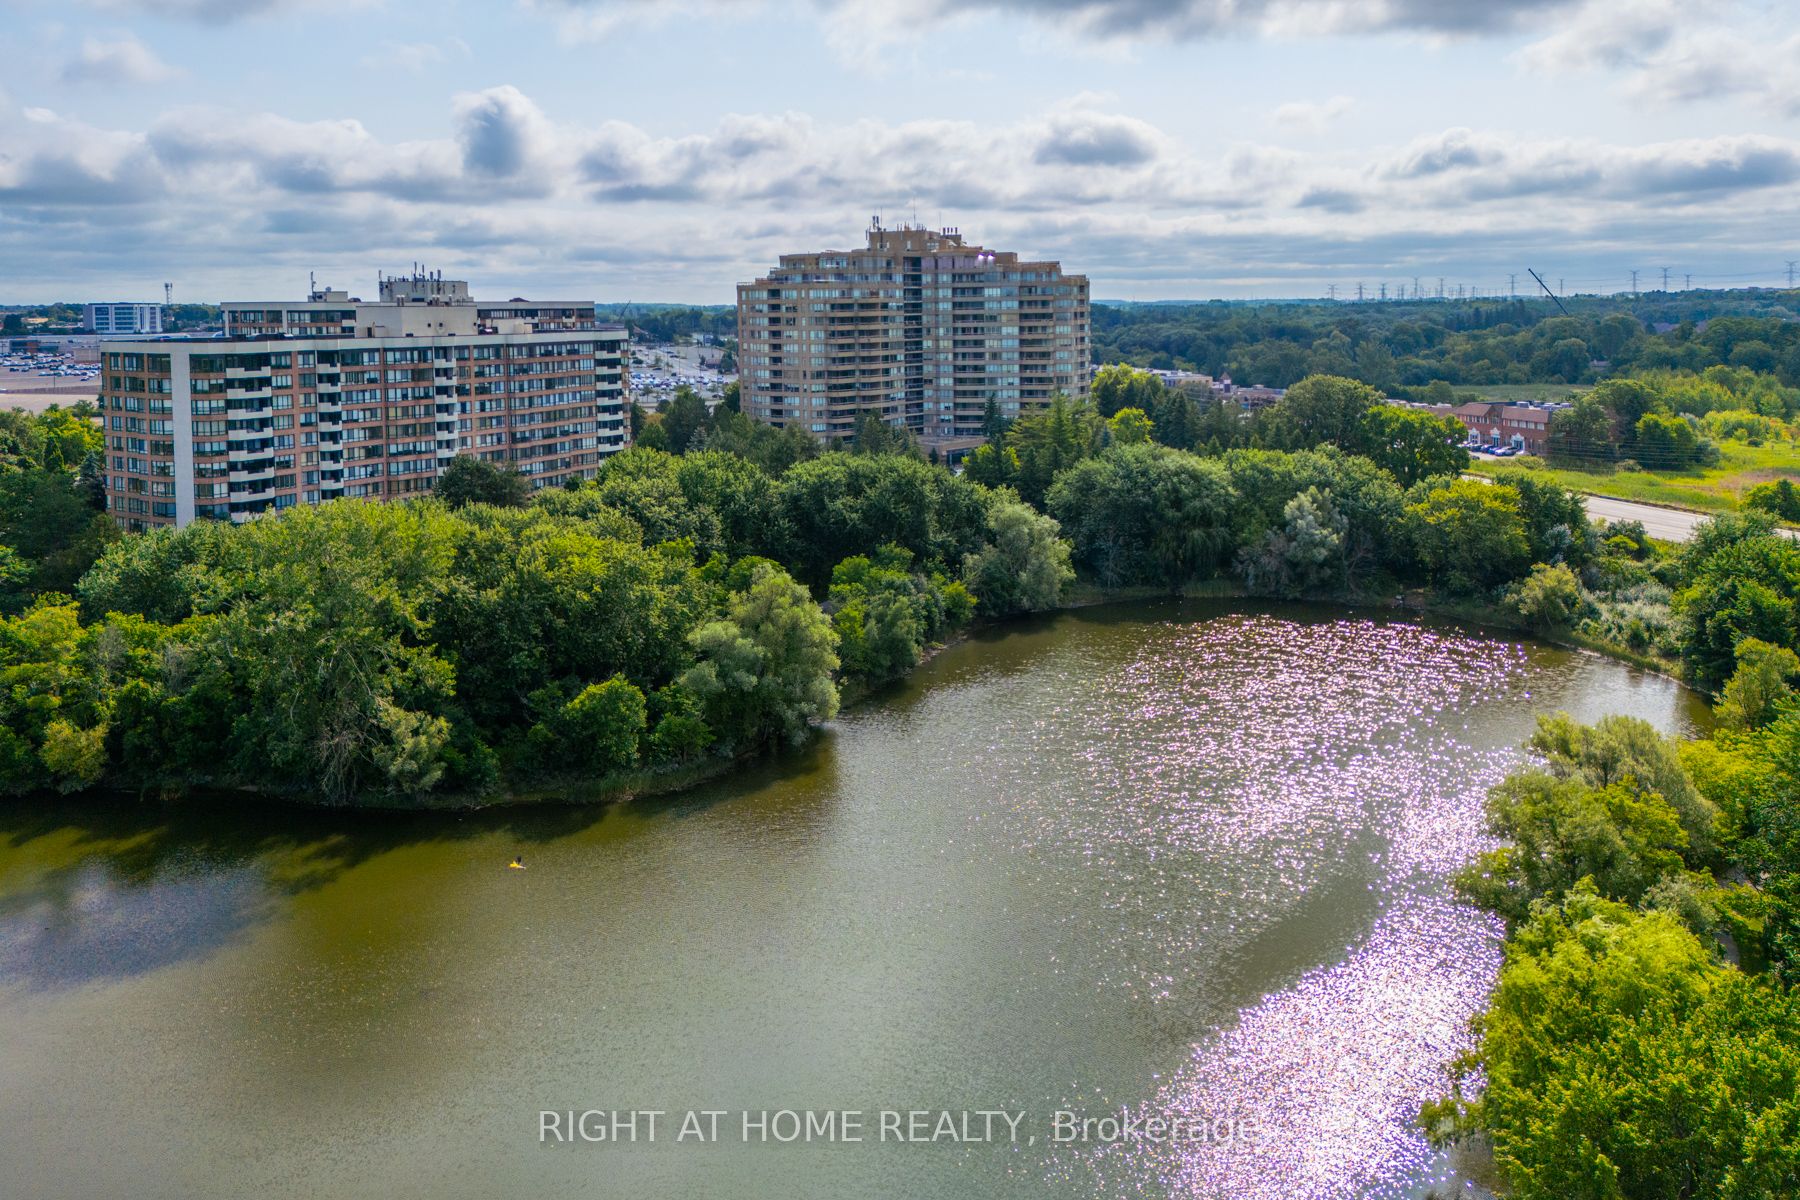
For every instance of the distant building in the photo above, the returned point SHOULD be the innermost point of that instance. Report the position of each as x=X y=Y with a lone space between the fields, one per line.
x=334 y=397
x=122 y=317
x=1248 y=398
x=1525 y=427
x=918 y=327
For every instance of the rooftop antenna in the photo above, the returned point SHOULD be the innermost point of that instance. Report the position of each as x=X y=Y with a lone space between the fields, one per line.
x=1548 y=292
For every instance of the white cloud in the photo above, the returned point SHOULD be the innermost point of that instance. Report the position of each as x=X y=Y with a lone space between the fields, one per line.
x=1669 y=53
x=1309 y=117
x=506 y=192
x=222 y=11
x=1104 y=19
x=122 y=59
x=416 y=58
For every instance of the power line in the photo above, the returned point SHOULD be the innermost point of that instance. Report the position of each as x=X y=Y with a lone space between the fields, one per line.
x=1548 y=292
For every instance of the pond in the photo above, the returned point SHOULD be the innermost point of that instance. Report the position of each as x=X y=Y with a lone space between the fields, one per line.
x=1187 y=860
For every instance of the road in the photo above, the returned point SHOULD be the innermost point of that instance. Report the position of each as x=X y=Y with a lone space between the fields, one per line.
x=1668 y=524
x=1664 y=524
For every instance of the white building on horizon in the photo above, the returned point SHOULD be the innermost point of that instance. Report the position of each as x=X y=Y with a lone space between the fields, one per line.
x=122 y=316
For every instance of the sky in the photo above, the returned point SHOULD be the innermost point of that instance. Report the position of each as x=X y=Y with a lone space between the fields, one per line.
x=663 y=150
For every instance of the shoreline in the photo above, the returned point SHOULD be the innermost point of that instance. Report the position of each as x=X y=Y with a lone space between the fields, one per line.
x=641 y=782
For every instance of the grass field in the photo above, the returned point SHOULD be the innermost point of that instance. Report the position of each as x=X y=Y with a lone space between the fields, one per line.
x=1515 y=393
x=1712 y=489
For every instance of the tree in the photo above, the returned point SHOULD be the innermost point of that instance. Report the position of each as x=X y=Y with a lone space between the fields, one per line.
x=1558 y=831
x=1581 y=433
x=1117 y=386
x=46 y=518
x=1626 y=750
x=1305 y=555
x=1665 y=443
x=1548 y=599
x=1322 y=409
x=470 y=480
x=1410 y=444
x=764 y=670
x=1146 y=514
x=992 y=466
x=1025 y=566
x=993 y=422
x=1739 y=581
x=1762 y=683
x=875 y=436
x=845 y=504
x=1176 y=419
x=1616 y=1060
x=1779 y=499
x=1628 y=400
x=682 y=417
x=1361 y=492
x=1556 y=523
x=1050 y=442
x=602 y=725
x=1129 y=427
x=1468 y=536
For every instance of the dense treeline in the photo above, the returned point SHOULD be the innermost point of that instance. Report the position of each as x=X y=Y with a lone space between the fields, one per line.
x=1132 y=407
x=1408 y=345
x=667 y=322
x=389 y=652
x=53 y=521
x=67 y=318
x=1644 y=1040
x=709 y=602
x=1666 y=420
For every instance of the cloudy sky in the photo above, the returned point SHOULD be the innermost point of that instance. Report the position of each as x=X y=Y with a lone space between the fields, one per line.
x=664 y=149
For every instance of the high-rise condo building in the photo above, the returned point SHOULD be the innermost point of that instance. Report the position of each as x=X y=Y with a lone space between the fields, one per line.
x=334 y=397
x=918 y=327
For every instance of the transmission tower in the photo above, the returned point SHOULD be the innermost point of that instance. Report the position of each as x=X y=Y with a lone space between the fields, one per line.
x=1665 y=272
x=1634 y=290
x=1792 y=262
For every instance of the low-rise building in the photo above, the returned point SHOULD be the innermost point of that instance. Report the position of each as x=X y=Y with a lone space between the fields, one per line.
x=1248 y=398
x=1525 y=427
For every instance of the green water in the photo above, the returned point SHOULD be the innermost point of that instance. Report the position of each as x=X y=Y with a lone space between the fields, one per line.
x=1183 y=858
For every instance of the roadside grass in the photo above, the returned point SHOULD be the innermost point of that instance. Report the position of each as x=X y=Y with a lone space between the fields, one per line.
x=1709 y=489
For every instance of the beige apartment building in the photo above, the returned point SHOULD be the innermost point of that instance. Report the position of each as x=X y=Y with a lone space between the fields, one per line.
x=333 y=397
x=919 y=327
